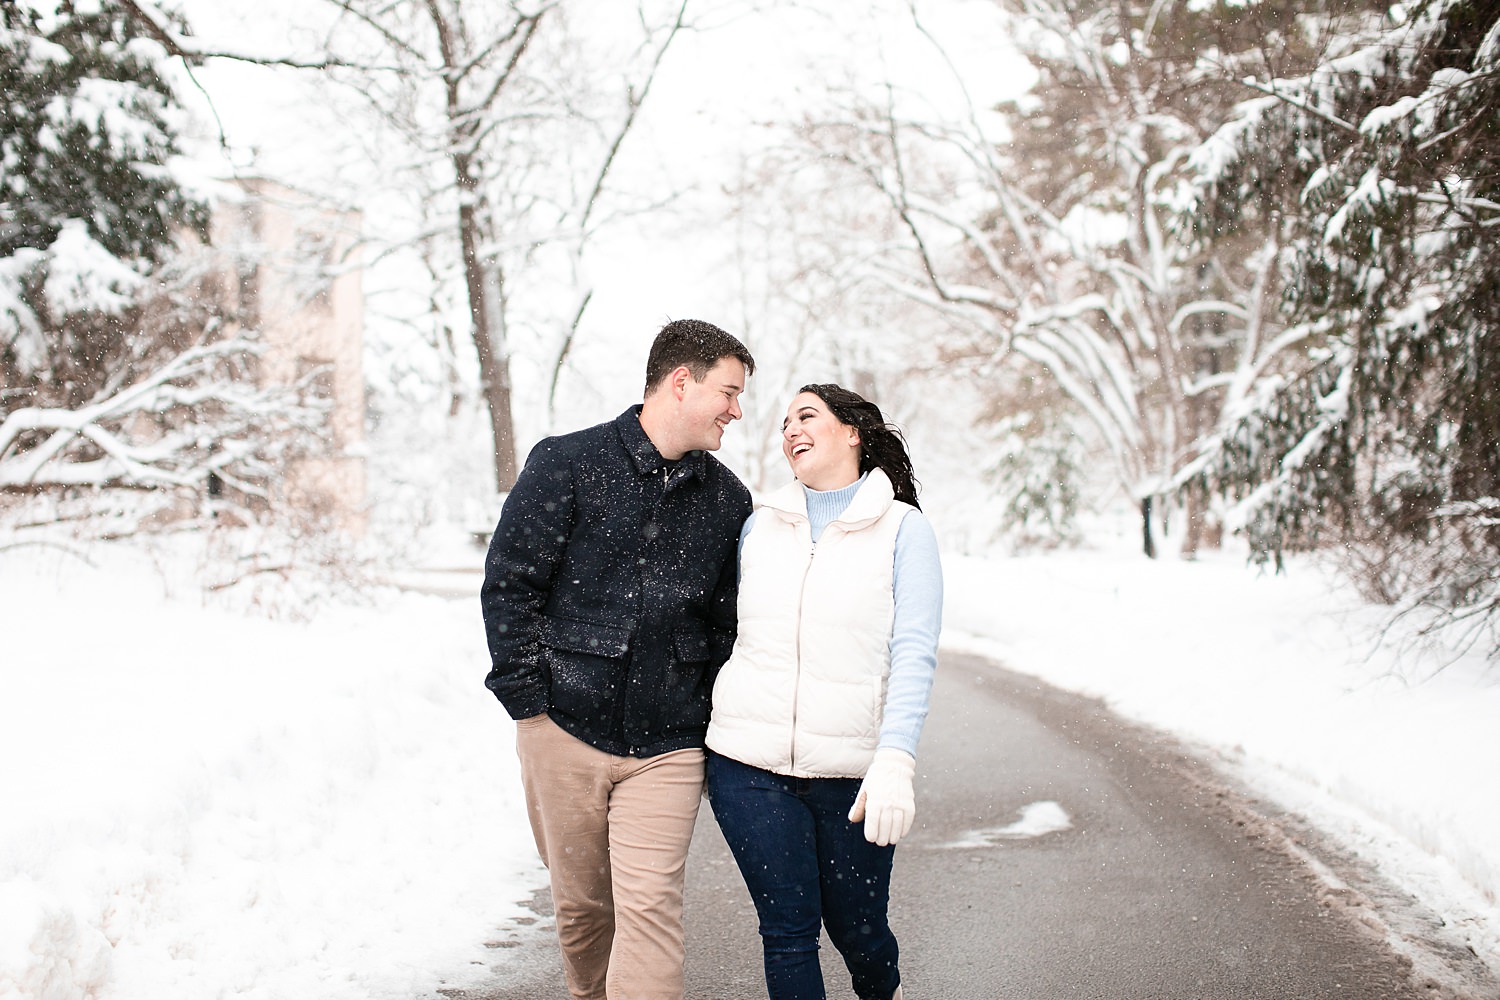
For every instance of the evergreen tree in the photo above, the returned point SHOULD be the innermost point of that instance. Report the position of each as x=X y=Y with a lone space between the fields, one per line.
x=88 y=204
x=120 y=364
x=1384 y=436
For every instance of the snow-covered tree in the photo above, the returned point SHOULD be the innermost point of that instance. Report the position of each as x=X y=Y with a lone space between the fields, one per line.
x=116 y=365
x=498 y=127
x=511 y=122
x=87 y=204
x=1047 y=235
x=1053 y=246
x=1382 y=167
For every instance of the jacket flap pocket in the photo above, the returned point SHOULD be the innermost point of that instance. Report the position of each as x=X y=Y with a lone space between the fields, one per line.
x=586 y=637
x=690 y=647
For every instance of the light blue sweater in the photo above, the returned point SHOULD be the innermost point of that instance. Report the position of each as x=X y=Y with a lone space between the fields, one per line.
x=918 y=586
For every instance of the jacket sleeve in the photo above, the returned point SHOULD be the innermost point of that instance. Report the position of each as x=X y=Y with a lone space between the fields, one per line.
x=524 y=555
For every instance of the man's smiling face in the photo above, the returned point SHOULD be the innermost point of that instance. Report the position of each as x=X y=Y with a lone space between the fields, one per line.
x=709 y=406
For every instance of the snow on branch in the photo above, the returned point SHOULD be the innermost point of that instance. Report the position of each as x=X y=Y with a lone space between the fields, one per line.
x=1483 y=512
x=173 y=427
x=183 y=46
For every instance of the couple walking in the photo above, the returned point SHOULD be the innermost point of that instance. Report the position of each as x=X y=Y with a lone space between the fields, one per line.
x=630 y=589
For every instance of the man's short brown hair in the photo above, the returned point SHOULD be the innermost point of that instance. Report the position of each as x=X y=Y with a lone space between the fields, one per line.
x=693 y=343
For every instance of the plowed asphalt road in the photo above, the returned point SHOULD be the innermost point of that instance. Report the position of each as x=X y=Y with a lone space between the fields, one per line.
x=1167 y=882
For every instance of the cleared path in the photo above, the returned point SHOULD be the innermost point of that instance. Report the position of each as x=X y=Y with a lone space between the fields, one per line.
x=1061 y=853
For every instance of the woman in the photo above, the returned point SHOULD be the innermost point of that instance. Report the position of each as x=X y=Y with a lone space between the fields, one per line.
x=813 y=738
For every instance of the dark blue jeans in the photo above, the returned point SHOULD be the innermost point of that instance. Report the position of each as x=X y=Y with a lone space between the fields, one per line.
x=807 y=867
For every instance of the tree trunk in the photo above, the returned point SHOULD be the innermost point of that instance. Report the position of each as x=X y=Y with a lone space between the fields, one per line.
x=1193 y=513
x=482 y=278
x=487 y=321
x=1149 y=543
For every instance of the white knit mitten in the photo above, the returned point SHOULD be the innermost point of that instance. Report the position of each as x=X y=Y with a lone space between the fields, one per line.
x=886 y=801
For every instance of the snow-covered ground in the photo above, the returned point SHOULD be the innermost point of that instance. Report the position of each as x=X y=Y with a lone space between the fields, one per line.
x=200 y=802
x=1391 y=747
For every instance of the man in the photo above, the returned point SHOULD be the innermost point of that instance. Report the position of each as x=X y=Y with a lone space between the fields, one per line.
x=608 y=603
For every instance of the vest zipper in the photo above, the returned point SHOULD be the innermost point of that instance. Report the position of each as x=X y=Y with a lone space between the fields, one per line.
x=797 y=676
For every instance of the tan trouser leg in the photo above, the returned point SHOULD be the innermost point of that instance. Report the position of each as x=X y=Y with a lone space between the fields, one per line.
x=567 y=800
x=651 y=814
x=614 y=834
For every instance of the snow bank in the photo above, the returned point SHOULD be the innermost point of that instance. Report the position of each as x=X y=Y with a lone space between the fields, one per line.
x=200 y=804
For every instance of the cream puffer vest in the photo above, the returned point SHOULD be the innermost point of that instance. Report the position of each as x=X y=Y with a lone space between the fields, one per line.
x=804 y=690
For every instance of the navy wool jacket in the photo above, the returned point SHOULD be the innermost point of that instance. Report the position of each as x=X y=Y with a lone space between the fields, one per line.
x=609 y=588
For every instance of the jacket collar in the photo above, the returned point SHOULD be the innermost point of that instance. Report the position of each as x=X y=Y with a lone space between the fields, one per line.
x=870 y=501
x=643 y=453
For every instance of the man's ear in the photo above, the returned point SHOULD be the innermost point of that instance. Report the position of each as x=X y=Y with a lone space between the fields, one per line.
x=679 y=380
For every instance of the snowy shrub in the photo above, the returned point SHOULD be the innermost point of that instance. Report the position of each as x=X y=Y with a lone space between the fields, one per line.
x=1039 y=474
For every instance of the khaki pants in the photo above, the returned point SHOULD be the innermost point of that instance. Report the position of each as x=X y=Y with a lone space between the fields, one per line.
x=614 y=834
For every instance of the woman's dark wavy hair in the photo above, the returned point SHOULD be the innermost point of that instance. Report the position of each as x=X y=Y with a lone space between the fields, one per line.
x=881 y=444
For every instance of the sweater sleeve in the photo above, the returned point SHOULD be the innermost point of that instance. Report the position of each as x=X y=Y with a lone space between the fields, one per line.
x=914 y=633
x=740 y=550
